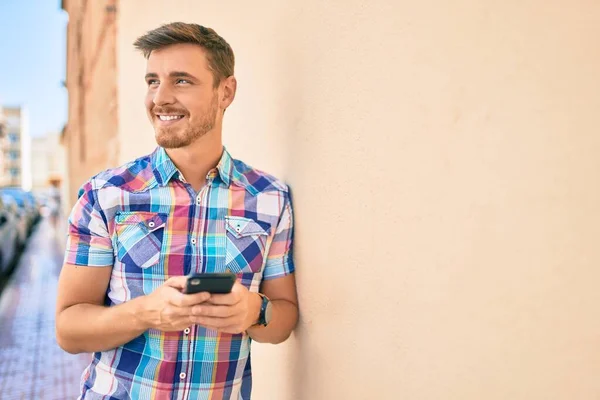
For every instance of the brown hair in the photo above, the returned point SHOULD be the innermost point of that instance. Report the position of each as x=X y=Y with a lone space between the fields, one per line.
x=221 y=60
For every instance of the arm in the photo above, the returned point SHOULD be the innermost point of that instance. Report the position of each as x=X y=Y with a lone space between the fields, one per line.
x=282 y=293
x=84 y=324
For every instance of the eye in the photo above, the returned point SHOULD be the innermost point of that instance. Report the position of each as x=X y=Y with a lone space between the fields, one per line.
x=182 y=81
x=152 y=82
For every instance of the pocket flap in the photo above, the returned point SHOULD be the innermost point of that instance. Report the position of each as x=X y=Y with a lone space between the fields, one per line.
x=150 y=220
x=241 y=226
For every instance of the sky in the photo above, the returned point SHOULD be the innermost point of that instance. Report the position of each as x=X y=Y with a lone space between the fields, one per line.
x=33 y=61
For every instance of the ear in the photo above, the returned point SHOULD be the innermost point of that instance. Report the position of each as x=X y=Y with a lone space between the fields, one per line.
x=229 y=87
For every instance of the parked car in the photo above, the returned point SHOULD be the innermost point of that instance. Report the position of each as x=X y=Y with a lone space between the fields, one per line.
x=26 y=202
x=8 y=239
x=18 y=219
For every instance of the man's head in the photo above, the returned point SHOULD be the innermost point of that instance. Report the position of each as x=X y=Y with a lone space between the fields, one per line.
x=190 y=81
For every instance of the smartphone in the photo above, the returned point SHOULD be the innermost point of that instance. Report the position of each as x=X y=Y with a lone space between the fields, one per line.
x=216 y=283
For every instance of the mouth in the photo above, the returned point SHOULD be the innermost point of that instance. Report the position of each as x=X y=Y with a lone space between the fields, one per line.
x=164 y=119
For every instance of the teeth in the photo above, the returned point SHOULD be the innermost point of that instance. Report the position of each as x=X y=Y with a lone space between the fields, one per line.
x=169 y=117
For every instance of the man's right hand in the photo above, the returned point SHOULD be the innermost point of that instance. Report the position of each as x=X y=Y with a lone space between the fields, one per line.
x=84 y=324
x=167 y=309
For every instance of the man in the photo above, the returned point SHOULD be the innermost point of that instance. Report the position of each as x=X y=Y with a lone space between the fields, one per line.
x=138 y=230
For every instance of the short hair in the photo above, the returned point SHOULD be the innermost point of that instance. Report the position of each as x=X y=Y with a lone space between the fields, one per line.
x=221 y=60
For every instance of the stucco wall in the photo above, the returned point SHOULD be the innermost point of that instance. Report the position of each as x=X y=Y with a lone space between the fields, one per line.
x=443 y=158
x=91 y=132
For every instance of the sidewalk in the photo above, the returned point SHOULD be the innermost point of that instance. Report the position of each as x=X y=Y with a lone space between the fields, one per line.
x=32 y=366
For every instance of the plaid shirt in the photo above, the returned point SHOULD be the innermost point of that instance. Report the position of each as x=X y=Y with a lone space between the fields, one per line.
x=146 y=222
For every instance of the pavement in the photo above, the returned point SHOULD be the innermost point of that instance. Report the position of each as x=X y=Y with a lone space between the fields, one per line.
x=32 y=365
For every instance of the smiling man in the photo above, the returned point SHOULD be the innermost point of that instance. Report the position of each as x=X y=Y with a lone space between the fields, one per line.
x=137 y=231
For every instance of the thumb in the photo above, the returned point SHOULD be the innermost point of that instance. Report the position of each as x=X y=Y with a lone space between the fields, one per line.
x=177 y=282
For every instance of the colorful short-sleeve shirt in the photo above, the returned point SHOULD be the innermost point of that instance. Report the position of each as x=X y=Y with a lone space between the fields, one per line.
x=146 y=222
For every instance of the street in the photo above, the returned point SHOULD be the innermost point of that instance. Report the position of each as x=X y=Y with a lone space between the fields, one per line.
x=32 y=365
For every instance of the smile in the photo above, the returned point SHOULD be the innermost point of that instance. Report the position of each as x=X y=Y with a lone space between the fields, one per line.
x=169 y=117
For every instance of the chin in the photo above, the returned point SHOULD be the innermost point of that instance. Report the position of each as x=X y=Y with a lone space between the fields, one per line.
x=169 y=141
x=171 y=144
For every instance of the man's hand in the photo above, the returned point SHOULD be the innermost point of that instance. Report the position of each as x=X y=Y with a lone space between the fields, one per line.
x=234 y=312
x=168 y=309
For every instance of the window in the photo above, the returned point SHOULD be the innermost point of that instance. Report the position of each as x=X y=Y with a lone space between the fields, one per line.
x=14 y=172
x=13 y=138
x=13 y=155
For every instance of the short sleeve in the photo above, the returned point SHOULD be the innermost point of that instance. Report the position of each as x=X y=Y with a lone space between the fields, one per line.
x=88 y=243
x=280 y=261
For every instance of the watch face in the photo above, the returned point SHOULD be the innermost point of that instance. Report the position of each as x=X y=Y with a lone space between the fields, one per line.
x=268 y=312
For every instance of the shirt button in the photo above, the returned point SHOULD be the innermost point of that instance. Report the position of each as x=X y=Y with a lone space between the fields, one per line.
x=151 y=224
x=187 y=331
x=182 y=376
x=193 y=241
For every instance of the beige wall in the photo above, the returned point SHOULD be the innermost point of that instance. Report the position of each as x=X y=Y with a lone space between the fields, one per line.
x=444 y=162
x=91 y=131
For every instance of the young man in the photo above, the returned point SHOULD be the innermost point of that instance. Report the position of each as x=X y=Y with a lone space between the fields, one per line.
x=138 y=230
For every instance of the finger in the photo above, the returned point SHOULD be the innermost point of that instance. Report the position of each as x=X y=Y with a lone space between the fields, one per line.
x=196 y=298
x=172 y=317
x=209 y=310
x=177 y=312
x=214 y=322
x=186 y=300
x=169 y=295
x=177 y=282
x=237 y=293
x=179 y=325
x=224 y=299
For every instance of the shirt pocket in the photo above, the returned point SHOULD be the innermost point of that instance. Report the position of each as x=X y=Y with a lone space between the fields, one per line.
x=139 y=237
x=245 y=244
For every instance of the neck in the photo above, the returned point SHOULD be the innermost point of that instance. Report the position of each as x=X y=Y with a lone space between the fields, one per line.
x=197 y=159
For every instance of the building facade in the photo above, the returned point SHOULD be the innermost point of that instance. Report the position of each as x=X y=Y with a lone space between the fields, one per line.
x=48 y=161
x=91 y=131
x=49 y=169
x=3 y=177
x=15 y=148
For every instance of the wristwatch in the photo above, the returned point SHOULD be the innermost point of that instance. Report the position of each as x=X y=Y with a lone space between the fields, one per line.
x=265 y=311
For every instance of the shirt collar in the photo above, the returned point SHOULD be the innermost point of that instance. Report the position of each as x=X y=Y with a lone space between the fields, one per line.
x=165 y=170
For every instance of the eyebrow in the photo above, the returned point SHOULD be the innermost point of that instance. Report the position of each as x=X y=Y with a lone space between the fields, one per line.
x=174 y=74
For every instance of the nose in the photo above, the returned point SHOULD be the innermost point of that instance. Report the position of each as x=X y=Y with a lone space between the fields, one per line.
x=163 y=95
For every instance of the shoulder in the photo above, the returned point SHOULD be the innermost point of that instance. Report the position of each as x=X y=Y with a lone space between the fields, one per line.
x=258 y=181
x=133 y=176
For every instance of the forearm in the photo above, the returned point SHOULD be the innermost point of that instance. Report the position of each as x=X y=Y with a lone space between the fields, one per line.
x=283 y=320
x=84 y=328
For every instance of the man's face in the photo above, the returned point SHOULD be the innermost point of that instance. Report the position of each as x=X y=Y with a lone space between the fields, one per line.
x=181 y=102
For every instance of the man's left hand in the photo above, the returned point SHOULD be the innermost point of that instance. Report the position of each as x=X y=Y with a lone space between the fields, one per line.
x=229 y=313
